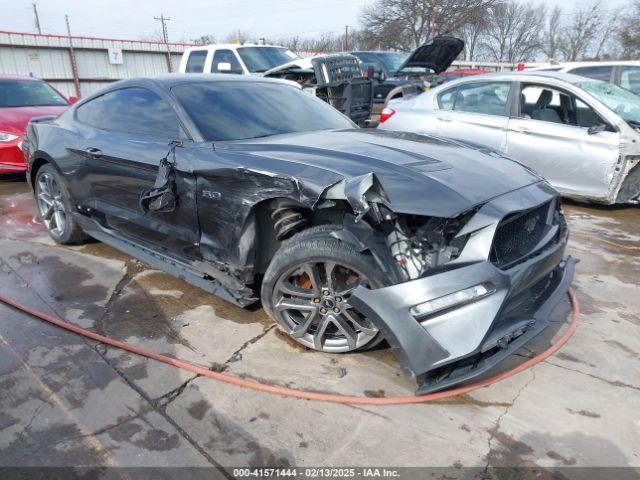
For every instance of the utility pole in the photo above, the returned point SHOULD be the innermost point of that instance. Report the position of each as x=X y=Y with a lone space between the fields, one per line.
x=72 y=58
x=346 y=38
x=36 y=19
x=165 y=36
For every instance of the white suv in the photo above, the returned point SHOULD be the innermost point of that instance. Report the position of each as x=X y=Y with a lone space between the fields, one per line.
x=234 y=58
x=625 y=74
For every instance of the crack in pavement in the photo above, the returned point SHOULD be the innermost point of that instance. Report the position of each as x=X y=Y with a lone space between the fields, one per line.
x=237 y=355
x=125 y=280
x=614 y=383
x=171 y=395
x=27 y=427
x=496 y=428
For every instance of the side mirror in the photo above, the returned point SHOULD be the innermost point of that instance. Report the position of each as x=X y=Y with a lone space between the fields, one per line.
x=72 y=100
x=594 y=129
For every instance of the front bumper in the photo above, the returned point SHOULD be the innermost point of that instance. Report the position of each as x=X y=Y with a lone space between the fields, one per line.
x=465 y=340
x=11 y=158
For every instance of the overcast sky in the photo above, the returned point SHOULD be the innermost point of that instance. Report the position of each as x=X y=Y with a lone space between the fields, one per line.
x=192 y=18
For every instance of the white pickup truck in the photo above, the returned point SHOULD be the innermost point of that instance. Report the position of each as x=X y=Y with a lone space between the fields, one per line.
x=235 y=58
x=337 y=78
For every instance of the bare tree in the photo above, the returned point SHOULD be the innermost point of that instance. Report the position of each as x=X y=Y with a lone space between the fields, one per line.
x=155 y=36
x=472 y=33
x=406 y=24
x=513 y=32
x=552 y=35
x=584 y=34
x=629 y=33
x=205 y=40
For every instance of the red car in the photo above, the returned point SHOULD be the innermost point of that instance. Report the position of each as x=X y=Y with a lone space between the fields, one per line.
x=22 y=98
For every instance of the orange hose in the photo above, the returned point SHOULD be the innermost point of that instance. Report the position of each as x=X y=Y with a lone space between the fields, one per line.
x=303 y=394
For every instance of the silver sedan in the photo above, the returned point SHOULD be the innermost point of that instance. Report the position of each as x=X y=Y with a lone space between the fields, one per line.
x=582 y=135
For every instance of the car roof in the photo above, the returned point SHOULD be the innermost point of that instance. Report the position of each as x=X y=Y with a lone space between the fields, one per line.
x=170 y=80
x=523 y=75
x=231 y=46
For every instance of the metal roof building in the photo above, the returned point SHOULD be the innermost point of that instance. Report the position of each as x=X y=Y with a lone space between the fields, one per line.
x=78 y=66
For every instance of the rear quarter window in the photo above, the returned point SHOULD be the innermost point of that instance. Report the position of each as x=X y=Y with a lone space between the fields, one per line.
x=195 y=62
x=446 y=99
x=131 y=110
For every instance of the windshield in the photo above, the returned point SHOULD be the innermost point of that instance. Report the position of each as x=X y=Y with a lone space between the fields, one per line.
x=228 y=110
x=392 y=61
x=28 y=93
x=623 y=102
x=261 y=59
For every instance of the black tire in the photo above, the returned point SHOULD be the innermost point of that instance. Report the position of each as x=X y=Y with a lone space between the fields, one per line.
x=66 y=232
x=315 y=248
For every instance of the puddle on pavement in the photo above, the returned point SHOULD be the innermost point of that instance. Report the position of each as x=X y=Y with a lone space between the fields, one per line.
x=18 y=211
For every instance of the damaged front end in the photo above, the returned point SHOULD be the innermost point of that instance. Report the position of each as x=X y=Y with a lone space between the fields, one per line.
x=466 y=292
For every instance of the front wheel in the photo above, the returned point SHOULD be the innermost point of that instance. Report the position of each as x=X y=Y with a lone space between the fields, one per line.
x=54 y=207
x=307 y=287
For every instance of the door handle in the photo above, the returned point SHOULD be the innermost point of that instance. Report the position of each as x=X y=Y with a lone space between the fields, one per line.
x=444 y=119
x=523 y=130
x=93 y=152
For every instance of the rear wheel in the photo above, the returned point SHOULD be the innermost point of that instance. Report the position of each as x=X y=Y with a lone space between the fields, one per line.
x=54 y=207
x=307 y=288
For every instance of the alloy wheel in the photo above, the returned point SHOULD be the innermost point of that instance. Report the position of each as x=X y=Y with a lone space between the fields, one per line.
x=311 y=301
x=51 y=204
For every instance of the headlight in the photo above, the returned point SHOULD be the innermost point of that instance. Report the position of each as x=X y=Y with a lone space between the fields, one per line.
x=7 y=137
x=456 y=299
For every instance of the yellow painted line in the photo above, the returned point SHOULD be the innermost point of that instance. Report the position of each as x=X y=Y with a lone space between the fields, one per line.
x=100 y=449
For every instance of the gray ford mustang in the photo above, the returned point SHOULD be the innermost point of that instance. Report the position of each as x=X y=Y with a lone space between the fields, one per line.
x=253 y=190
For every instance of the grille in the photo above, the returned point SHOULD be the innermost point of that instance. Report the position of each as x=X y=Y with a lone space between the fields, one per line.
x=517 y=234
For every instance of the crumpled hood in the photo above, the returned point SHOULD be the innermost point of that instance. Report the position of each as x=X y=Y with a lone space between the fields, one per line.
x=15 y=119
x=437 y=54
x=420 y=174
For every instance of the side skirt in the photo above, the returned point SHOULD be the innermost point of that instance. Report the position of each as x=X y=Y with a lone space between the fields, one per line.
x=161 y=261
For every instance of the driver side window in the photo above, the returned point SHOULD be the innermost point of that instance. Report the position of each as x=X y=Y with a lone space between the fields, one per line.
x=222 y=57
x=547 y=104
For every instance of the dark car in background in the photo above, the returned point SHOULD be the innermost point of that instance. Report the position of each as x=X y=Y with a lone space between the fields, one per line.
x=254 y=190
x=22 y=98
x=385 y=65
x=418 y=71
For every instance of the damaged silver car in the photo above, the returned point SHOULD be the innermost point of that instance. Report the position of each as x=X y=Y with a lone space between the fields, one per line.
x=582 y=135
x=253 y=190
